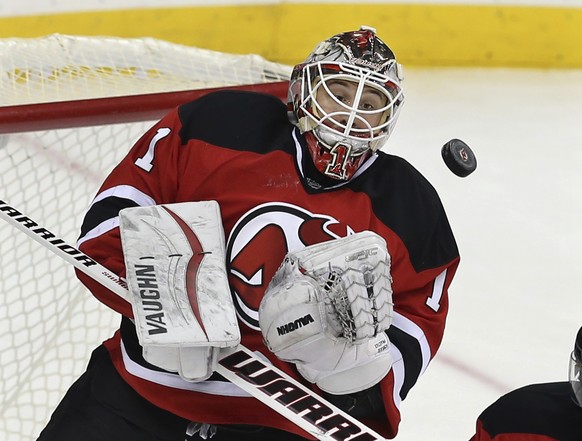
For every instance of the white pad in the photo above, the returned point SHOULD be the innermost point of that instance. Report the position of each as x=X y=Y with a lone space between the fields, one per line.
x=175 y=262
x=326 y=310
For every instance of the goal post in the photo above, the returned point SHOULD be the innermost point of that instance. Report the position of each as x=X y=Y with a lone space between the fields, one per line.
x=70 y=109
x=113 y=110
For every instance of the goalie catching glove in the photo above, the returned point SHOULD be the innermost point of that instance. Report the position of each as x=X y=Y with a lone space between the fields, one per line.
x=180 y=297
x=327 y=309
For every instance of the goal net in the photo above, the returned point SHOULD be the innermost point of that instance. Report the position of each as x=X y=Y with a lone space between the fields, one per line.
x=70 y=108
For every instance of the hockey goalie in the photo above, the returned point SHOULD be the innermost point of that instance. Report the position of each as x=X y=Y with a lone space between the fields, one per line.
x=238 y=219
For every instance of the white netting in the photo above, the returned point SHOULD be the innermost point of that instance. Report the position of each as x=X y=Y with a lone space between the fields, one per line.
x=61 y=67
x=49 y=322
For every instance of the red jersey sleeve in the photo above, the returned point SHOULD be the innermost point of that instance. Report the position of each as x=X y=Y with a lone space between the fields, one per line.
x=148 y=175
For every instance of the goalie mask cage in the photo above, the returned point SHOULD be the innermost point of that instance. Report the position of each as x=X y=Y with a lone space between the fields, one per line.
x=70 y=109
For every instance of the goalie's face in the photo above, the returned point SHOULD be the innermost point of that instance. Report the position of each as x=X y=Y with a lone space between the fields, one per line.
x=350 y=118
x=349 y=110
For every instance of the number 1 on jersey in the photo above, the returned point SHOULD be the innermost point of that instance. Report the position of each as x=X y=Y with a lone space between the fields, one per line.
x=145 y=162
x=434 y=301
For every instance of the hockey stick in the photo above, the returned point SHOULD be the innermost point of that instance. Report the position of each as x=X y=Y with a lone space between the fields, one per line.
x=242 y=367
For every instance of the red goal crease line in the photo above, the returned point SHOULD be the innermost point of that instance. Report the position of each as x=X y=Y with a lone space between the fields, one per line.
x=111 y=110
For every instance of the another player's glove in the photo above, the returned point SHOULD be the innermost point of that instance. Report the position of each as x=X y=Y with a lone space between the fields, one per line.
x=327 y=309
x=175 y=261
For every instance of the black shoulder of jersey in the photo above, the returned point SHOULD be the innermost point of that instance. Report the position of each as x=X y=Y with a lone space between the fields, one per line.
x=404 y=200
x=541 y=409
x=238 y=120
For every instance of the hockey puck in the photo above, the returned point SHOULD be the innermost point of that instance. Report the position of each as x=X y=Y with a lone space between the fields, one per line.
x=459 y=157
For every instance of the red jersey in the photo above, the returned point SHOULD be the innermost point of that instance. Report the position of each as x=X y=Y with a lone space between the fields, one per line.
x=238 y=148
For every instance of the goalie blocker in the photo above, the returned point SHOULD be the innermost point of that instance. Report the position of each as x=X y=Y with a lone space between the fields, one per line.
x=180 y=297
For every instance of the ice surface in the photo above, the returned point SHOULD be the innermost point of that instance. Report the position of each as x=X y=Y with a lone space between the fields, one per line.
x=518 y=222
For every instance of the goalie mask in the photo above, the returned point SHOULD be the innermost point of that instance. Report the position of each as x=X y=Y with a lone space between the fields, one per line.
x=345 y=99
x=575 y=370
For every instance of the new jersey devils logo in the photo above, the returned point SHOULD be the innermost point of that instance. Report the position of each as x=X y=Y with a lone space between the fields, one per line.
x=258 y=244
